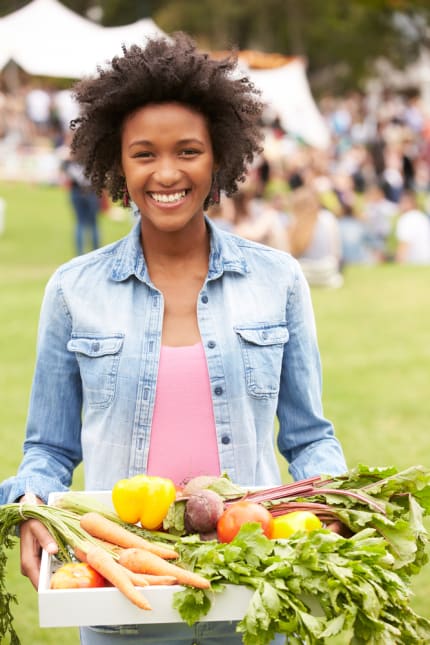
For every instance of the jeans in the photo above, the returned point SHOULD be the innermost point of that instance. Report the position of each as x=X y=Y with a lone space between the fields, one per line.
x=209 y=633
x=86 y=206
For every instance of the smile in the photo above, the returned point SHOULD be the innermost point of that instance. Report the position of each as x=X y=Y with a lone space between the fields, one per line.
x=170 y=198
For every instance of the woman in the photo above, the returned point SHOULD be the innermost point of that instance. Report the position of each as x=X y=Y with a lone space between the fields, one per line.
x=172 y=350
x=412 y=232
x=314 y=238
x=255 y=219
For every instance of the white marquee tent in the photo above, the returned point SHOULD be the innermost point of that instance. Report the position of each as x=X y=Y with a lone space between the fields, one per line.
x=45 y=38
x=286 y=90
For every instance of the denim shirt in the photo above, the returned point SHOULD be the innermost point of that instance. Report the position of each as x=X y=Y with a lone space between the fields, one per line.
x=98 y=349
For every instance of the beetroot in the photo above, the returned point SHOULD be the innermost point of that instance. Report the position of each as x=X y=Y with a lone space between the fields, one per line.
x=202 y=511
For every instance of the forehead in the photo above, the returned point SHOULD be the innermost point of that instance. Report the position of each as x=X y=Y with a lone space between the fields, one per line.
x=175 y=119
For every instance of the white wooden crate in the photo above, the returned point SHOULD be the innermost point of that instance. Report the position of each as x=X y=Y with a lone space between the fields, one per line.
x=107 y=606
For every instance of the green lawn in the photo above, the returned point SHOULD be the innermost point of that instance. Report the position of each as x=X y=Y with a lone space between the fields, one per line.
x=374 y=341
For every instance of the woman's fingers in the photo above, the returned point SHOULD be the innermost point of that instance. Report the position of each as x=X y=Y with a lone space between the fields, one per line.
x=33 y=538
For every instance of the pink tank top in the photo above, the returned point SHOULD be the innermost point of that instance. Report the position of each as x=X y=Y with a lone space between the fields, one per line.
x=183 y=435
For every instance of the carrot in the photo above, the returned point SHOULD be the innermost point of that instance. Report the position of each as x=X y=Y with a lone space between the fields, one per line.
x=142 y=561
x=100 y=527
x=145 y=579
x=112 y=549
x=102 y=562
x=138 y=579
x=81 y=555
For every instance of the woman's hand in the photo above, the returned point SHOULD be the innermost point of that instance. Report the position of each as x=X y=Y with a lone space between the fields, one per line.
x=34 y=537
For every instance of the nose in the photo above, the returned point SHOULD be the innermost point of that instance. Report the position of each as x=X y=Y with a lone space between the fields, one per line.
x=167 y=172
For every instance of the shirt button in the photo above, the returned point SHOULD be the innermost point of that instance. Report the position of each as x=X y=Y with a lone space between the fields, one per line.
x=204 y=299
x=264 y=335
x=211 y=344
x=96 y=347
x=225 y=439
x=218 y=390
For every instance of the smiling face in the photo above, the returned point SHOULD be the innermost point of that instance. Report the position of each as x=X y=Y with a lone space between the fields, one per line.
x=168 y=163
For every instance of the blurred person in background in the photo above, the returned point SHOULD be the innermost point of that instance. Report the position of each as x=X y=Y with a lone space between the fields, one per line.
x=393 y=179
x=376 y=146
x=254 y=218
x=38 y=109
x=85 y=203
x=354 y=238
x=66 y=110
x=314 y=238
x=422 y=184
x=412 y=232
x=378 y=219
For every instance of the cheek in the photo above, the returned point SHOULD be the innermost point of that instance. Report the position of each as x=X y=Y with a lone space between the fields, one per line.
x=207 y=175
x=134 y=175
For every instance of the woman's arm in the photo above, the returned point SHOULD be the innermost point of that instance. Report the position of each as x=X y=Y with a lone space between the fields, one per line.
x=306 y=438
x=52 y=446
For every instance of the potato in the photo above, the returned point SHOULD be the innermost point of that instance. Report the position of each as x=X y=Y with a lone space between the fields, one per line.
x=202 y=511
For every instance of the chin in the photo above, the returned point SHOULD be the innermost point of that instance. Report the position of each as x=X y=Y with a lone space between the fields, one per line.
x=172 y=222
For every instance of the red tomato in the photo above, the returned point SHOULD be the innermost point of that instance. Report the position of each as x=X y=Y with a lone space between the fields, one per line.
x=239 y=513
x=76 y=575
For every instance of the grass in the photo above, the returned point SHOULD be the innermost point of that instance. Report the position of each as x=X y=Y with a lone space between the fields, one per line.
x=373 y=335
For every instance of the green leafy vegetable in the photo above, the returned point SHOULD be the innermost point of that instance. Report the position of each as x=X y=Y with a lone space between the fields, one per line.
x=311 y=587
x=6 y=599
x=391 y=502
x=174 y=522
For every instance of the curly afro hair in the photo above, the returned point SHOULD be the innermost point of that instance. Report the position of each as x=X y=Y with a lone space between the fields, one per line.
x=166 y=69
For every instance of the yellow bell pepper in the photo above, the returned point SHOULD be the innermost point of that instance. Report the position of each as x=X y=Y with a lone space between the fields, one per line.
x=286 y=525
x=143 y=498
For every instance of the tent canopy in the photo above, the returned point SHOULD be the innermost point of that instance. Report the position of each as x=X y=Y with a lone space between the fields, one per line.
x=45 y=38
x=286 y=90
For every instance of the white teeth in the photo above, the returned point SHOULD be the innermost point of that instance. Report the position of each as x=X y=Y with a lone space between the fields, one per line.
x=168 y=199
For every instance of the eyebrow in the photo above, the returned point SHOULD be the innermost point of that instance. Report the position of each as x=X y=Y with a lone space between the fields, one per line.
x=181 y=142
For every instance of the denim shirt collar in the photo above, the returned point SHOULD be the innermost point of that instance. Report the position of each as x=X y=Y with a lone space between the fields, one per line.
x=225 y=255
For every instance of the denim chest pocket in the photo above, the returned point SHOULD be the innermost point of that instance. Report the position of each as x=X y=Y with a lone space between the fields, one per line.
x=262 y=349
x=98 y=359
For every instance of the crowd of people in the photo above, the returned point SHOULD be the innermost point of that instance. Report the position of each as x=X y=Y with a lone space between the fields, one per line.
x=365 y=199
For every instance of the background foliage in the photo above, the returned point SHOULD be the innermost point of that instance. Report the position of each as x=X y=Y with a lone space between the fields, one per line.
x=339 y=39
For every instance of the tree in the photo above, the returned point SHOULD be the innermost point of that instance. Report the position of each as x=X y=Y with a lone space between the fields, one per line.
x=339 y=38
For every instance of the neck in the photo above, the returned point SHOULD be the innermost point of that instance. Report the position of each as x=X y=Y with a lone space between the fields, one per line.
x=177 y=249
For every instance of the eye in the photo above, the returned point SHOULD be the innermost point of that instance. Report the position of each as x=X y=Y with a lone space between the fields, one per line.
x=142 y=154
x=189 y=152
